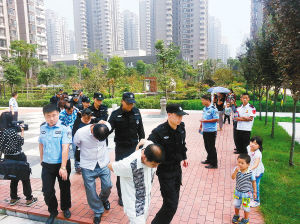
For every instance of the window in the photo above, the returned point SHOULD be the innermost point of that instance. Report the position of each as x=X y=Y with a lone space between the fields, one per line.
x=2 y=43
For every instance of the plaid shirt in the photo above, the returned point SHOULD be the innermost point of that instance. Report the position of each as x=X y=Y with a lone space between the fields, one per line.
x=68 y=119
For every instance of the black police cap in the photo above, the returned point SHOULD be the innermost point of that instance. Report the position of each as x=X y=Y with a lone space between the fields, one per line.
x=128 y=97
x=176 y=109
x=85 y=99
x=98 y=96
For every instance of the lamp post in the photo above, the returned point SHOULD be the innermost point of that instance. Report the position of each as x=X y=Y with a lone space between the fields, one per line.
x=201 y=64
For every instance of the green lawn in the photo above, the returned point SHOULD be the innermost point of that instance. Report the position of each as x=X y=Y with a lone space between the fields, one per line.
x=280 y=185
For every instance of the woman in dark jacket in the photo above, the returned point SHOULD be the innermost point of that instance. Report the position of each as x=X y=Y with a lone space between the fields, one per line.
x=11 y=146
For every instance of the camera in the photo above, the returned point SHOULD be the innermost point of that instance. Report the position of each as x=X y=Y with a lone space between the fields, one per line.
x=18 y=125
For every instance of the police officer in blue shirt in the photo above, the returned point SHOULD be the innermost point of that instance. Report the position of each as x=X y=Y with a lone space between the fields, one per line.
x=209 y=124
x=54 y=143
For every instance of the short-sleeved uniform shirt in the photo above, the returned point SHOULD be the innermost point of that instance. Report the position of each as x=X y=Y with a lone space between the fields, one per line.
x=246 y=111
x=13 y=102
x=210 y=113
x=256 y=155
x=136 y=182
x=52 y=139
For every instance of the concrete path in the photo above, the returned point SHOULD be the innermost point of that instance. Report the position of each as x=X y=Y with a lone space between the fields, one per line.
x=288 y=126
x=206 y=195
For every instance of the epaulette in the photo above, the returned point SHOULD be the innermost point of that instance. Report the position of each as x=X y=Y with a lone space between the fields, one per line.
x=43 y=123
x=250 y=105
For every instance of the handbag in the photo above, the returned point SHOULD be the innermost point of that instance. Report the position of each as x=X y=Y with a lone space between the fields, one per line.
x=14 y=169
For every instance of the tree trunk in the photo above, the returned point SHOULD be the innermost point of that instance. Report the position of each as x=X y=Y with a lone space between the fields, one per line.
x=274 y=111
x=293 y=134
x=267 y=98
x=27 y=81
x=260 y=106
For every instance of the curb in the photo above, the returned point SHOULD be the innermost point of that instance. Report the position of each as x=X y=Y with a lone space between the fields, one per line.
x=36 y=217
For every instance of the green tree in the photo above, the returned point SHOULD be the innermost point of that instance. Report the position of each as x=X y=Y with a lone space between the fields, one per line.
x=223 y=76
x=23 y=55
x=167 y=62
x=285 y=20
x=116 y=69
x=85 y=73
x=141 y=67
x=13 y=75
x=46 y=75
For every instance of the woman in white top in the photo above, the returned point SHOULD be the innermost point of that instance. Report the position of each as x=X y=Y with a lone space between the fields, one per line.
x=13 y=106
x=255 y=152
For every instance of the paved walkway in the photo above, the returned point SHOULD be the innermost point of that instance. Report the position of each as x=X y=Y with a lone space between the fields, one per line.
x=206 y=195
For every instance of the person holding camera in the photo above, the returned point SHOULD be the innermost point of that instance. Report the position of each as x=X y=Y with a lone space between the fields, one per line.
x=54 y=141
x=11 y=146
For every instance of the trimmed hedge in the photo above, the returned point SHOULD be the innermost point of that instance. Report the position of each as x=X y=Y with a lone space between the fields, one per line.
x=153 y=103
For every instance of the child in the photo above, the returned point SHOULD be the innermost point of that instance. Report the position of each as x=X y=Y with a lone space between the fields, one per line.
x=243 y=189
x=227 y=112
x=255 y=152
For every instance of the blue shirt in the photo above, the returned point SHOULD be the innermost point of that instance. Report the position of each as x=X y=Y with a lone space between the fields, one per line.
x=52 y=139
x=68 y=119
x=210 y=113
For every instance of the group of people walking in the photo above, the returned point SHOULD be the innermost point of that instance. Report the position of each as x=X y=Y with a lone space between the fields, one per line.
x=82 y=132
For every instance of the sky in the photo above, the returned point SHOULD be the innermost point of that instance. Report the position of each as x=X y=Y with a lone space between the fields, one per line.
x=233 y=14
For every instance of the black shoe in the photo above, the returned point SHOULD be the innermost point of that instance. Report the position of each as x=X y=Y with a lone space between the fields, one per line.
x=211 y=167
x=97 y=220
x=106 y=205
x=51 y=219
x=67 y=213
x=205 y=162
x=120 y=202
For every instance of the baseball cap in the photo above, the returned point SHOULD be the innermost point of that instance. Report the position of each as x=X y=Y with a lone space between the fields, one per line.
x=176 y=109
x=98 y=96
x=128 y=97
x=85 y=99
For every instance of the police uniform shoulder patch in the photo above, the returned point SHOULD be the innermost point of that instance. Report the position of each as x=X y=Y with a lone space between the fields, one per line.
x=69 y=134
x=250 y=105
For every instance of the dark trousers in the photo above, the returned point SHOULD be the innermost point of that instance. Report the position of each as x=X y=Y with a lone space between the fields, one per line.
x=226 y=117
x=15 y=116
x=210 y=146
x=169 y=188
x=49 y=174
x=242 y=141
x=235 y=135
x=14 y=183
x=121 y=153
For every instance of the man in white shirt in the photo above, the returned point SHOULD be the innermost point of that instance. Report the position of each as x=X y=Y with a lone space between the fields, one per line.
x=245 y=119
x=136 y=176
x=13 y=106
x=94 y=158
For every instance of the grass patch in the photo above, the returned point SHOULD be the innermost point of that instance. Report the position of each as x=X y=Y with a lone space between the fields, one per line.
x=280 y=185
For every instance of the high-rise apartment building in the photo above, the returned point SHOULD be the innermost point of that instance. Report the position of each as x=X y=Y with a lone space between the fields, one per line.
x=32 y=25
x=182 y=22
x=146 y=25
x=23 y=20
x=98 y=26
x=131 y=31
x=214 y=37
x=58 y=34
x=256 y=17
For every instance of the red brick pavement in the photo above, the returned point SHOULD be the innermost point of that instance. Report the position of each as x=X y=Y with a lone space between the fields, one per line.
x=206 y=195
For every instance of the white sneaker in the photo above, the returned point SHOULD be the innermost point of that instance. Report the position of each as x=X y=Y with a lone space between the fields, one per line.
x=255 y=204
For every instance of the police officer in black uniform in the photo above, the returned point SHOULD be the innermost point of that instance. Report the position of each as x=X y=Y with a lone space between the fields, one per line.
x=128 y=125
x=171 y=136
x=75 y=100
x=99 y=110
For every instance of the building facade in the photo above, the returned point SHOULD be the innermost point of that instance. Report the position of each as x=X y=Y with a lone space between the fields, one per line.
x=98 y=26
x=23 y=20
x=131 y=31
x=58 y=34
x=256 y=17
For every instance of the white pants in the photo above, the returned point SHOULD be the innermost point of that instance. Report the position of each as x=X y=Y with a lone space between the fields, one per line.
x=138 y=220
